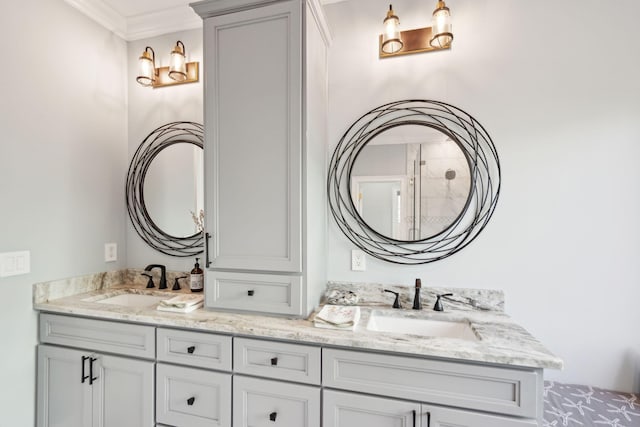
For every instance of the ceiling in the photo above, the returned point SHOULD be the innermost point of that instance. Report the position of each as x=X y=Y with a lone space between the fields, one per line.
x=139 y=19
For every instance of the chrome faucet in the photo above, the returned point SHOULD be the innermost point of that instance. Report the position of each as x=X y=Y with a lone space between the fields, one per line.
x=163 y=274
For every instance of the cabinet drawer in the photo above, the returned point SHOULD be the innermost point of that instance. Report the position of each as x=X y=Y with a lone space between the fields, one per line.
x=268 y=293
x=192 y=397
x=504 y=391
x=99 y=335
x=198 y=349
x=291 y=362
x=258 y=402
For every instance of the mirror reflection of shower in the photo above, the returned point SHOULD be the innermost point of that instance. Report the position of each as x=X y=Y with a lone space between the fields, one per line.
x=410 y=183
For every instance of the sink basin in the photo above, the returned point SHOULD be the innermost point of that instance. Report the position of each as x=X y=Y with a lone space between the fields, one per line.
x=132 y=300
x=383 y=322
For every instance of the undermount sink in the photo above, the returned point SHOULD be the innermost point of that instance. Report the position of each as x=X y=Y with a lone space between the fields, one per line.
x=384 y=322
x=131 y=300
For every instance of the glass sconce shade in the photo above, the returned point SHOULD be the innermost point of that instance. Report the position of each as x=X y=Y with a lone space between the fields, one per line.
x=146 y=67
x=391 y=41
x=178 y=65
x=441 y=27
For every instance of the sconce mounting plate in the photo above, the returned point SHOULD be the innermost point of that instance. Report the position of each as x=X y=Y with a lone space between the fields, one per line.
x=415 y=41
x=163 y=79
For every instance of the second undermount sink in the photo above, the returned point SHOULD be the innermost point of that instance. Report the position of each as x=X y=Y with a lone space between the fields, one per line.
x=131 y=300
x=386 y=322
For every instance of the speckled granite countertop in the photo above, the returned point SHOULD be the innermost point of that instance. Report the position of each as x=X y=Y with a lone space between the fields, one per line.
x=501 y=341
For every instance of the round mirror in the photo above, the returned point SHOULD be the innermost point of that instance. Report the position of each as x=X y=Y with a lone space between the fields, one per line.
x=413 y=181
x=173 y=189
x=165 y=197
x=410 y=182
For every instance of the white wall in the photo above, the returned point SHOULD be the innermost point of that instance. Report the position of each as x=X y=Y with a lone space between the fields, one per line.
x=62 y=165
x=560 y=96
x=151 y=108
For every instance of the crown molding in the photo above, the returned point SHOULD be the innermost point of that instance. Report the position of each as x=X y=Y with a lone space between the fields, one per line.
x=141 y=26
x=162 y=22
x=103 y=14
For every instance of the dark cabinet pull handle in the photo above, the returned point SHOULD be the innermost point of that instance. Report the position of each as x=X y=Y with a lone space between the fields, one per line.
x=272 y=416
x=428 y=419
x=190 y=401
x=207 y=236
x=191 y=349
x=250 y=292
x=91 y=377
x=84 y=377
x=274 y=361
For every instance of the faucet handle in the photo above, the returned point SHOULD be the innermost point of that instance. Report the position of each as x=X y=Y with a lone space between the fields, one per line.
x=150 y=283
x=438 y=305
x=396 y=302
x=176 y=285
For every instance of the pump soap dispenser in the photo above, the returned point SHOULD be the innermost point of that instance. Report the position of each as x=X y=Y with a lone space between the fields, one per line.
x=196 y=280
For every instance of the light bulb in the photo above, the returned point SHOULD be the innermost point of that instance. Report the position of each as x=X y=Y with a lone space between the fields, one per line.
x=441 y=27
x=146 y=68
x=178 y=66
x=391 y=42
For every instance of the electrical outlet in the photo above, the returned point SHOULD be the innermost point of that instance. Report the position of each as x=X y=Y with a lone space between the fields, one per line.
x=110 y=252
x=15 y=263
x=358 y=261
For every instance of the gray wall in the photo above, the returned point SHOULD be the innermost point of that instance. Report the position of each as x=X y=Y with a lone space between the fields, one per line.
x=63 y=153
x=562 y=102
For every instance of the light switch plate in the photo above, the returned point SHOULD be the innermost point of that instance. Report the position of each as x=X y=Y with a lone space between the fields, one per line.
x=15 y=263
x=110 y=252
x=358 y=260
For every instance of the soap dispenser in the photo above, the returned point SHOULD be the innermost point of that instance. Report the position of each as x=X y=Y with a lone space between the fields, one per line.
x=196 y=280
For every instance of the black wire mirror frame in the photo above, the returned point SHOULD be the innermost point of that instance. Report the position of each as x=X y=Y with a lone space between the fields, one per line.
x=465 y=131
x=161 y=138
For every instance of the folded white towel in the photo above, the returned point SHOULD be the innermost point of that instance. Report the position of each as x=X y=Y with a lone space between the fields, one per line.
x=182 y=301
x=337 y=317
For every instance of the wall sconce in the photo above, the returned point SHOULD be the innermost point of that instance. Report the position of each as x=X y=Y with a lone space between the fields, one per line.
x=179 y=71
x=437 y=37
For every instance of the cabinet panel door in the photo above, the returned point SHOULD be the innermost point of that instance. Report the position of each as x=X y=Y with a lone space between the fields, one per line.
x=266 y=403
x=192 y=397
x=281 y=361
x=433 y=416
x=268 y=293
x=342 y=409
x=123 y=392
x=63 y=399
x=253 y=155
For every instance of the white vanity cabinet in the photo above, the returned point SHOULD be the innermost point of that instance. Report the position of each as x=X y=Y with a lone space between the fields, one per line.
x=265 y=154
x=87 y=386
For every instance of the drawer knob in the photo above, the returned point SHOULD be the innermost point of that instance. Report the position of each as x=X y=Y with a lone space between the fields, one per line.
x=272 y=416
x=250 y=292
x=190 y=401
x=191 y=349
x=274 y=361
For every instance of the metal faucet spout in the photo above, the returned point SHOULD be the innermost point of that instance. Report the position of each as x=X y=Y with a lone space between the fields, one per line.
x=163 y=274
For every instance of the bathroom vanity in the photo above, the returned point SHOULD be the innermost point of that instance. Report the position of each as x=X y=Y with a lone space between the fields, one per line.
x=222 y=369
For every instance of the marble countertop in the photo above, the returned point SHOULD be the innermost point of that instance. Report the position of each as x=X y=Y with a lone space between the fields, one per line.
x=501 y=340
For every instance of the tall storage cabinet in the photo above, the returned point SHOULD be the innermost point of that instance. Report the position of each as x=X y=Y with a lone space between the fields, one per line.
x=265 y=154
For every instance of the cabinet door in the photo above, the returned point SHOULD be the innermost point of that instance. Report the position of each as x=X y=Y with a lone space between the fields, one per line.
x=253 y=138
x=189 y=397
x=433 y=416
x=266 y=403
x=342 y=409
x=123 y=393
x=64 y=400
